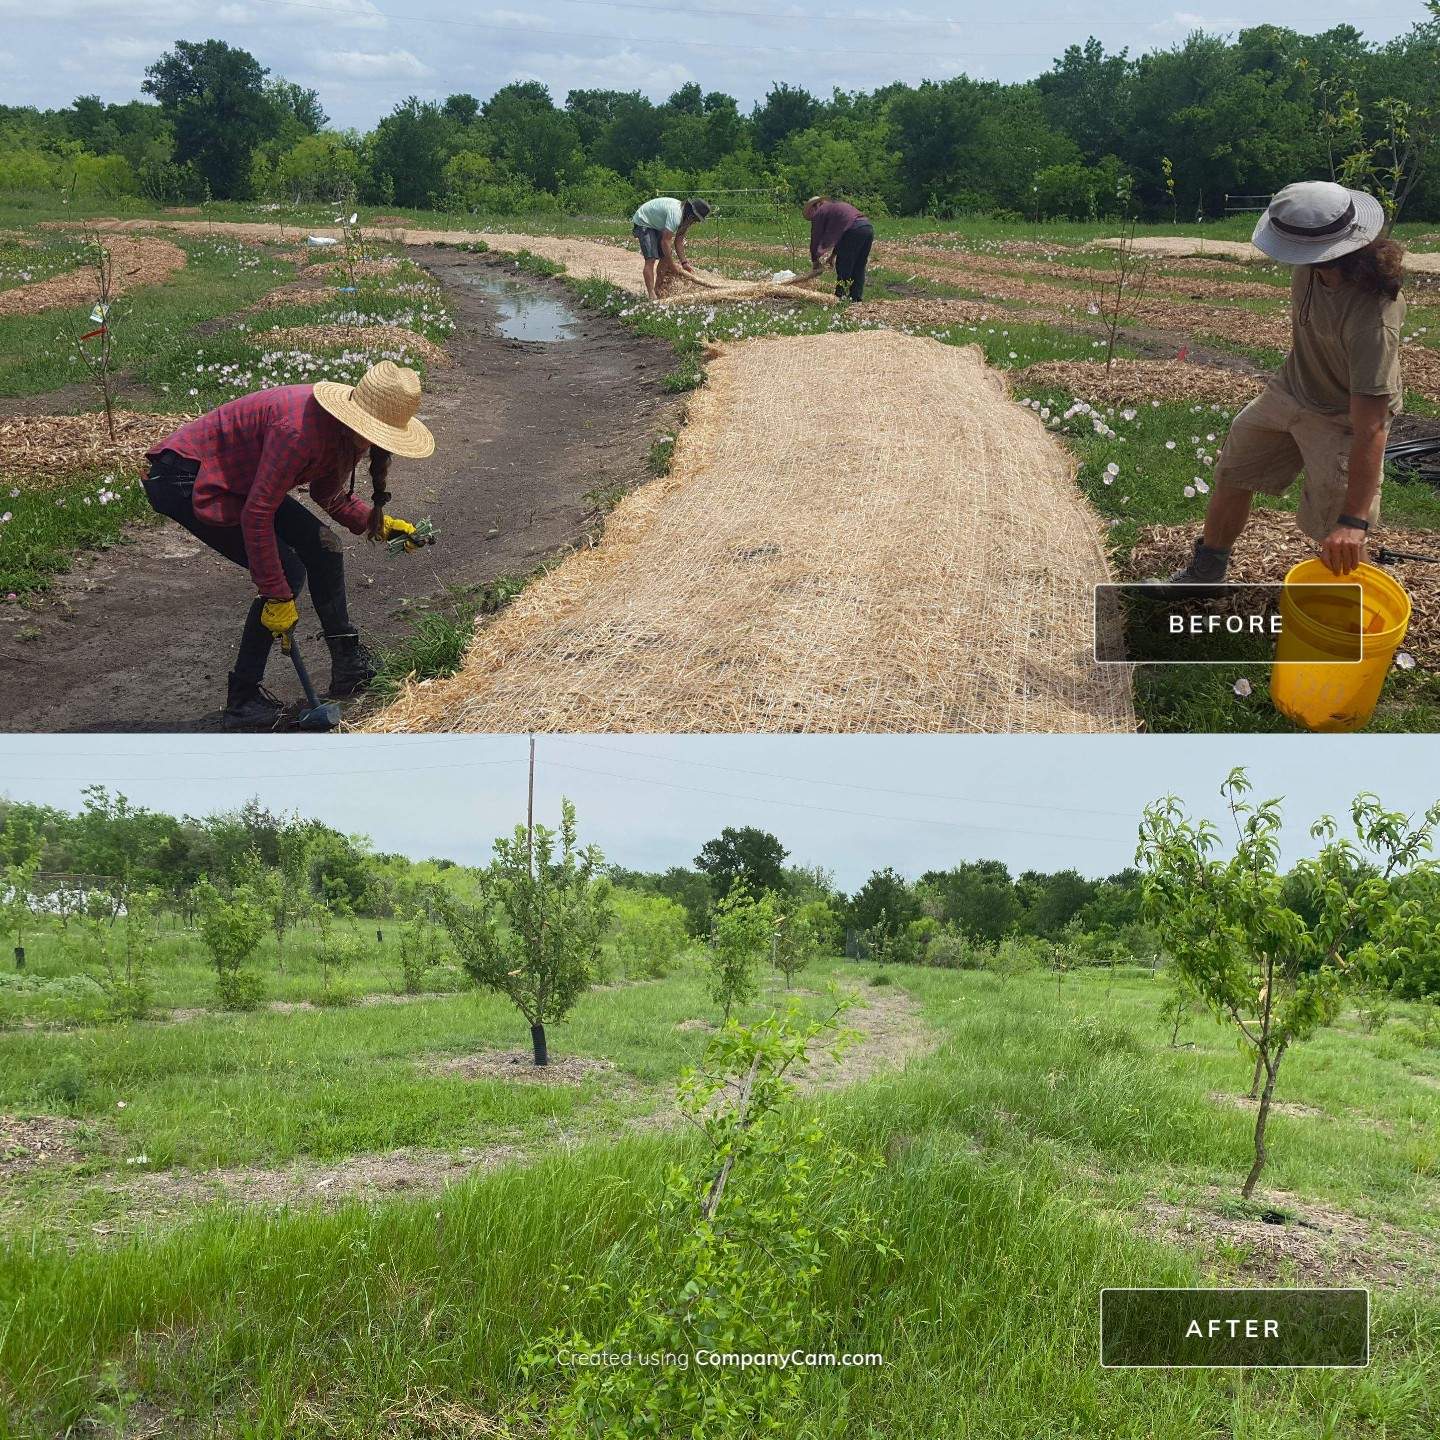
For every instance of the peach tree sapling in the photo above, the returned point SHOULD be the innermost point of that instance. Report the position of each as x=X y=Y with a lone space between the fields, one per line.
x=1254 y=959
x=729 y=1263
x=742 y=934
x=231 y=926
x=20 y=850
x=536 y=932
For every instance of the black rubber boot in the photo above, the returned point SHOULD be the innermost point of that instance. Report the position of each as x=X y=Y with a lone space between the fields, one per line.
x=250 y=706
x=1206 y=566
x=352 y=666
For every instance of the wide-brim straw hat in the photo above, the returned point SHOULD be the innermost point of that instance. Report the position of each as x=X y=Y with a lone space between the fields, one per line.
x=382 y=408
x=1317 y=220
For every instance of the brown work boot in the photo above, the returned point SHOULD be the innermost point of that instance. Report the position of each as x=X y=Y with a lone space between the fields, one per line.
x=1206 y=566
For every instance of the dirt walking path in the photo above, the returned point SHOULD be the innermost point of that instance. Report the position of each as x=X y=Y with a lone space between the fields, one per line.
x=140 y=637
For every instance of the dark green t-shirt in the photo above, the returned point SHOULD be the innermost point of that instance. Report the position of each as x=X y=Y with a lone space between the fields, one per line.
x=1349 y=345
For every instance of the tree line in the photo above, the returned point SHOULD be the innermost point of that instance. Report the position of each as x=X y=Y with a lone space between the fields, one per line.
x=1169 y=132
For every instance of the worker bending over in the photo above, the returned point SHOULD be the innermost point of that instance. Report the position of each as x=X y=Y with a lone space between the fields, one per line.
x=660 y=225
x=841 y=236
x=227 y=478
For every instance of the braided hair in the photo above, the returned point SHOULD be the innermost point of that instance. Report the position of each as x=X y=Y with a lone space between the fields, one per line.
x=380 y=496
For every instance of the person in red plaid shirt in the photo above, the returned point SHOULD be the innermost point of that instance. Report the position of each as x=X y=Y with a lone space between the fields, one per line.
x=227 y=478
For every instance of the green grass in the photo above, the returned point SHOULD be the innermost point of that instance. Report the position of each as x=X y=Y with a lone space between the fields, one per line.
x=152 y=325
x=46 y=528
x=1017 y=1155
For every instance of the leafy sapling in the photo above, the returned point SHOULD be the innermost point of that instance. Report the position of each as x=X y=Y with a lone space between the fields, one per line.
x=1275 y=974
x=729 y=1263
x=798 y=938
x=231 y=927
x=21 y=847
x=536 y=931
x=741 y=938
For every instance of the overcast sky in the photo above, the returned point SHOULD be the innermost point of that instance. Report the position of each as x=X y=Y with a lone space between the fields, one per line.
x=850 y=804
x=365 y=55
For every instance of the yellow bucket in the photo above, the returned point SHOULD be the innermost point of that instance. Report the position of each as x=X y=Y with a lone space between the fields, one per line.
x=1335 y=693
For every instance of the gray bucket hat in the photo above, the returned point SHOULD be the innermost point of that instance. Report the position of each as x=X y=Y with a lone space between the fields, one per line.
x=1317 y=220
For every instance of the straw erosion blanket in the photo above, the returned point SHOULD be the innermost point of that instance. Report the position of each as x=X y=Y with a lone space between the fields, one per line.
x=133 y=263
x=622 y=267
x=917 y=558
x=39 y=450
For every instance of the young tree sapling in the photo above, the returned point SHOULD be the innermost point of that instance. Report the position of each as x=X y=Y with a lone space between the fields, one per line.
x=535 y=933
x=1273 y=973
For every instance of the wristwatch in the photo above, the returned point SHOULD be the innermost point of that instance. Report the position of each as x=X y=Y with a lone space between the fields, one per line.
x=1353 y=522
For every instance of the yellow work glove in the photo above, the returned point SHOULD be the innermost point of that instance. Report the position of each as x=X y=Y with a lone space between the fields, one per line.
x=280 y=617
x=393 y=525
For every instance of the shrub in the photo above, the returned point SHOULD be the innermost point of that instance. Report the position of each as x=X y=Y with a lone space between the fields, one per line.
x=742 y=935
x=650 y=934
x=239 y=990
x=230 y=929
x=949 y=950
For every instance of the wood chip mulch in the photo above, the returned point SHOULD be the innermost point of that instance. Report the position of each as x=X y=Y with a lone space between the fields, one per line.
x=1140 y=381
x=1272 y=543
x=134 y=262
x=37 y=451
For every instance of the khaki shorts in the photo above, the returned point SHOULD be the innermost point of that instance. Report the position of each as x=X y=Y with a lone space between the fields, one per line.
x=1273 y=439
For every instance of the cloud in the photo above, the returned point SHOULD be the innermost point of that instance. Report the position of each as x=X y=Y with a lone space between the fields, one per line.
x=372 y=65
x=623 y=70
x=526 y=18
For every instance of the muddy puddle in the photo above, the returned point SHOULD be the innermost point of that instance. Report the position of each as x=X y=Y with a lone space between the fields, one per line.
x=526 y=314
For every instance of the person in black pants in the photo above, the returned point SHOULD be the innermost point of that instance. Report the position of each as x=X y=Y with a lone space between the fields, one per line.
x=309 y=549
x=842 y=236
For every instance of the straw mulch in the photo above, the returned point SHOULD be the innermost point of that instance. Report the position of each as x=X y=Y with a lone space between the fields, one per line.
x=961 y=263
x=368 y=338
x=917 y=559
x=946 y=314
x=38 y=449
x=133 y=263
x=1188 y=245
x=1140 y=381
x=1420 y=370
x=1272 y=543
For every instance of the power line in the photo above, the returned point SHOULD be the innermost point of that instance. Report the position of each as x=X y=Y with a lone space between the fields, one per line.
x=843 y=784
x=836 y=810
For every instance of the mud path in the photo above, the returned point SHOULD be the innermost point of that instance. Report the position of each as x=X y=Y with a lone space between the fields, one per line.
x=140 y=637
